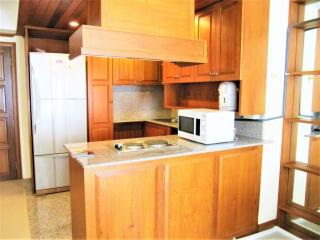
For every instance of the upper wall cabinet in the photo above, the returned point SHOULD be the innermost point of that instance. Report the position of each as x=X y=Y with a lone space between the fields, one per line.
x=124 y=71
x=220 y=26
x=172 y=73
x=236 y=32
x=135 y=72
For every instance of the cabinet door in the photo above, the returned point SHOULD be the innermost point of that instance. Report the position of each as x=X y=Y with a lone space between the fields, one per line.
x=150 y=73
x=153 y=130
x=186 y=74
x=126 y=203
x=229 y=41
x=99 y=100
x=204 y=32
x=171 y=72
x=191 y=197
x=125 y=71
x=44 y=172
x=239 y=189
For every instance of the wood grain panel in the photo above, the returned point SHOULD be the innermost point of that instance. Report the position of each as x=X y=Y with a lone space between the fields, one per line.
x=77 y=199
x=312 y=199
x=254 y=57
x=100 y=113
x=238 y=195
x=150 y=72
x=128 y=130
x=230 y=38
x=2 y=99
x=125 y=71
x=4 y=162
x=9 y=131
x=192 y=95
x=199 y=4
x=50 y=13
x=171 y=72
x=153 y=130
x=102 y=134
x=173 y=18
x=134 y=190
x=48 y=45
x=3 y=131
x=204 y=32
x=192 y=192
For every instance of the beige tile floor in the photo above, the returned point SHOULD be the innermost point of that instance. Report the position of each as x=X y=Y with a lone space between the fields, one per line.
x=26 y=216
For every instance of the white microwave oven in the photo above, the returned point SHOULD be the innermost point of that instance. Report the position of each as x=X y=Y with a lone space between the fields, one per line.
x=206 y=126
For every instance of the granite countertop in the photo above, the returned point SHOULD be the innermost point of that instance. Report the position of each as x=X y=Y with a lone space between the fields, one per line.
x=168 y=124
x=105 y=155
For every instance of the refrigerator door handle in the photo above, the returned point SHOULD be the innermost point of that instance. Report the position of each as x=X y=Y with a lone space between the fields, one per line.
x=34 y=100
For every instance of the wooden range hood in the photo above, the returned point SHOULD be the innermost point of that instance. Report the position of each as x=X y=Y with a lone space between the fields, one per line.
x=160 y=30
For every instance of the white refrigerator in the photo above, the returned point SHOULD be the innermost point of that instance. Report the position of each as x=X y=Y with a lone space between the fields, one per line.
x=59 y=114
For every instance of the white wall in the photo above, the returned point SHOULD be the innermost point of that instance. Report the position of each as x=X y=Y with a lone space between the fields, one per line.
x=8 y=16
x=278 y=23
x=22 y=104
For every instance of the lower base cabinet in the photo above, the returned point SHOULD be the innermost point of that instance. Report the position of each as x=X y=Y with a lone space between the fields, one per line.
x=204 y=196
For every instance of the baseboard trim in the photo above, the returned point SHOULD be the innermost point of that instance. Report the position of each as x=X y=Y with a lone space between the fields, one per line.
x=267 y=225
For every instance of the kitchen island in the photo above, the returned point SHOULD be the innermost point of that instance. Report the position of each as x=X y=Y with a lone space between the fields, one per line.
x=184 y=190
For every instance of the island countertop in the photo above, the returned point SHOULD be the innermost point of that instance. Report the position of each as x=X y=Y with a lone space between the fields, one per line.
x=105 y=154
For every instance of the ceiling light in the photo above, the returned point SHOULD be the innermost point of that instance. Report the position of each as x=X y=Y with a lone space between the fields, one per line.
x=74 y=24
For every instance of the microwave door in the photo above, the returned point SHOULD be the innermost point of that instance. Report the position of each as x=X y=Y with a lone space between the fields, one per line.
x=187 y=124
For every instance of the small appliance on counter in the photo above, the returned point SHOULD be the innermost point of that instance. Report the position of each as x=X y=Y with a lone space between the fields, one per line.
x=206 y=126
x=228 y=98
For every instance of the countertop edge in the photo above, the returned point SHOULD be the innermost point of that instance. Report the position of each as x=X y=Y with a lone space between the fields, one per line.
x=242 y=144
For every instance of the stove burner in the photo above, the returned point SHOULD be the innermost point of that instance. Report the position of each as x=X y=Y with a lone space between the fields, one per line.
x=156 y=143
x=133 y=145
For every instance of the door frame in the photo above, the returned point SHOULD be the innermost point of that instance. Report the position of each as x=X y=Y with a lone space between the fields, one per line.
x=12 y=46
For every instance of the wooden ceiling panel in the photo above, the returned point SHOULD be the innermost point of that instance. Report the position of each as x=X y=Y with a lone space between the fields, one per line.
x=50 y=13
x=72 y=13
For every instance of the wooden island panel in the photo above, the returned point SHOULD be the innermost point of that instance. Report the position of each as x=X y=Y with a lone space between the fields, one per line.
x=208 y=196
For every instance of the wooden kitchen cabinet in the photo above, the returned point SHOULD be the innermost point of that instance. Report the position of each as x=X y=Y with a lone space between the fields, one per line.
x=239 y=190
x=149 y=73
x=191 y=191
x=135 y=72
x=237 y=34
x=173 y=73
x=125 y=71
x=220 y=26
x=127 y=201
x=100 y=99
x=153 y=130
x=206 y=196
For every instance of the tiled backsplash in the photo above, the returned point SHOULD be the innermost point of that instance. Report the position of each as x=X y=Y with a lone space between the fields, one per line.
x=253 y=129
x=138 y=103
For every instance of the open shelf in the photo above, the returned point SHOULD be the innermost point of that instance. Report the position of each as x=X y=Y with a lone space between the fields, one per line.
x=307 y=25
x=304 y=73
x=305 y=1
x=303 y=120
x=302 y=167
x=191 y=95
x=300 y=213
